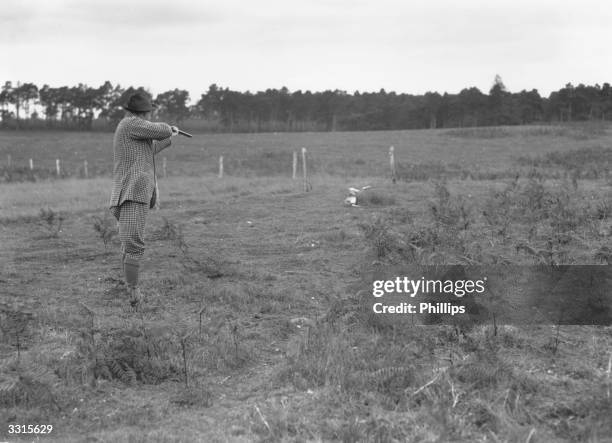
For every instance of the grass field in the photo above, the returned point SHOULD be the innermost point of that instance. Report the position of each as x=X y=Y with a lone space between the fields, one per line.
x=253 y=330
x=343 y=154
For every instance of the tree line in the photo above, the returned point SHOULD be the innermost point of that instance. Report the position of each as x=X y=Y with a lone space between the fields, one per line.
x=82 y=107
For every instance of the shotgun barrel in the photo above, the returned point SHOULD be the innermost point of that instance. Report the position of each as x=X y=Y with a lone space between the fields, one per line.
x=186 y=134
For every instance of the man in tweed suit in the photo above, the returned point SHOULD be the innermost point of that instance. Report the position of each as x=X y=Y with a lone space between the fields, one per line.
x=135 y=144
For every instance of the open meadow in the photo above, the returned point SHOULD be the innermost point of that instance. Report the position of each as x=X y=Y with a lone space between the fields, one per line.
x=253 y=330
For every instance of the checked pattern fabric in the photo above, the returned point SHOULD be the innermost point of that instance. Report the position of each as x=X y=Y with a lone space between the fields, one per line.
x=131 y=216
x=135 y=144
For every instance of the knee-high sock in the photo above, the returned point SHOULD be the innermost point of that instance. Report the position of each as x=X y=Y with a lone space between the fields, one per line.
x=131 y=274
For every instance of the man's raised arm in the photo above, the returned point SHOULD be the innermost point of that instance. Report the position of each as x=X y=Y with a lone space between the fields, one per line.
x=141 y=129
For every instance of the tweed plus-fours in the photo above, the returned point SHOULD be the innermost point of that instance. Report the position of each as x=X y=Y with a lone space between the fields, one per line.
x=131 y=216
x=136 y=142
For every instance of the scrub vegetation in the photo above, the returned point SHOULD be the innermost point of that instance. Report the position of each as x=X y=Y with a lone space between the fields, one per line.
x=253 y=328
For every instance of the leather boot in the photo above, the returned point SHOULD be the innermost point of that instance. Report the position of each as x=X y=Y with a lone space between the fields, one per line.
x=131 y=278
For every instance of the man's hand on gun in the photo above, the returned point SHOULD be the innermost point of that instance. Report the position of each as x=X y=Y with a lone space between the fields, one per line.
x=177 y=131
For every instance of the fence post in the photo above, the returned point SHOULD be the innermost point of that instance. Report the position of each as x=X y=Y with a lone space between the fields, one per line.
x=57 y=166
x=8 y=160
x=392 y=163
x=304 y=170
x=221 y=166
x=164 y=165
x=31 y=165
x=295 y=160
x=85 y=171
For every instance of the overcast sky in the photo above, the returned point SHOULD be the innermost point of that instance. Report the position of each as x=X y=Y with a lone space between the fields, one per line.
x=403 y=46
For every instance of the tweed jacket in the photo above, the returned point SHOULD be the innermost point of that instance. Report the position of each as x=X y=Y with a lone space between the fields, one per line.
x=135 y=144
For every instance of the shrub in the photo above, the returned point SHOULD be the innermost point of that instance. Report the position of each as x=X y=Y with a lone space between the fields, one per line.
x=450 y=212
x=106 y=228
x=53 y=221
x=173 y=232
